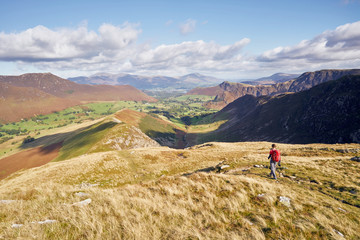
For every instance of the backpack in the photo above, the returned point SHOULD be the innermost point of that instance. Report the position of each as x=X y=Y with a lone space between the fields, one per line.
x=275 y=155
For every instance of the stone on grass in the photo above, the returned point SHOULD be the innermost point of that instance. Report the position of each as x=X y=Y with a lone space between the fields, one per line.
x=285 y=201
x=7 y=201
x=47 y=221
x=339 y=233
x=81 y=194
x=82 y=203
x=224 y=166
x=343 y=210
x=356 y=159
x=15 y=225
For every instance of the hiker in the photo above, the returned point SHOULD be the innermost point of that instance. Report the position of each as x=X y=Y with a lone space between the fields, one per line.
x=275 y=158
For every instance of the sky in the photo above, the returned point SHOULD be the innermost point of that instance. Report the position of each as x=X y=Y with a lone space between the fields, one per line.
x=228 y=39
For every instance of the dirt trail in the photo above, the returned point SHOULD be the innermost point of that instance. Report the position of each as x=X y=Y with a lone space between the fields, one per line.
x=28 y=159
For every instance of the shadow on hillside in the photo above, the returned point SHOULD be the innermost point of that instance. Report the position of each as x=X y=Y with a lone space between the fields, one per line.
x=204 y=119
x=51 y=139
x=206 y=170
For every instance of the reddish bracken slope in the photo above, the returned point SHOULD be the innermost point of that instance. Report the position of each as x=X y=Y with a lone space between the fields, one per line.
x=42 y=93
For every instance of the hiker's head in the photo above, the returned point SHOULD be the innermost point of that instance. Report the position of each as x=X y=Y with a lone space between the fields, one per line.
x=273 y=145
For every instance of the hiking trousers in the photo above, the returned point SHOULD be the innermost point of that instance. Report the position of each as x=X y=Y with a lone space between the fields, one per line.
x=273 y=168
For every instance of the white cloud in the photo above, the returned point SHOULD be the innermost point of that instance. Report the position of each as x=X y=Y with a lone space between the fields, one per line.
x=42 y=44
x=188 y=26
x=341 y=44
x=115 y=49
x=197 y=55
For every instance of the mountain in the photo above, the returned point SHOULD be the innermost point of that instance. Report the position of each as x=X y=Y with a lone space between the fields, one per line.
x=275 y=78
x=47 y=93
x=140 y=82
x=327 y=113
x=146 y=83
x=23 y=102
x=64 y=88
x=309 y=79
x=199 y=79
x=227 y=92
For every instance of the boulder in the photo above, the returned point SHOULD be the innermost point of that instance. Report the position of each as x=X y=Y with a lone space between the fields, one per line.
x=285 y=201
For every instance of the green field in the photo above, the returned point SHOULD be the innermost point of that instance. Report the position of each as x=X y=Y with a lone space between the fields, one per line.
x=68 y=116
x=176 y=109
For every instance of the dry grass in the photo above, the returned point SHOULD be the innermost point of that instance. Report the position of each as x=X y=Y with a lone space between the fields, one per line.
x=159 y=193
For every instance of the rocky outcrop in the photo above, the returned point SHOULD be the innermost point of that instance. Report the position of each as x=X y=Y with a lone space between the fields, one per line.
x=129 y=137
x=227 y=92
x=327 y=113
x=310 y=79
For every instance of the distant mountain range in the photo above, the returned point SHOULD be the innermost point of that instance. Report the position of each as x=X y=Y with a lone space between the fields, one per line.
x=227 y=92
x=275 y=78
x=327 y=113
x=41 y=93
x=145 y=82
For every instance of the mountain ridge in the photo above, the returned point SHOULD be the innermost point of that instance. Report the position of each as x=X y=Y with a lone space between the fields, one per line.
x=57 y=92
x=148 y=82
x=327 y=113
x=227 y=92
x=273 y=79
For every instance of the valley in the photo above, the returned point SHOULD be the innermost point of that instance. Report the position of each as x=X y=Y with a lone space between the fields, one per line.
x=143 y=165
x=180 y=120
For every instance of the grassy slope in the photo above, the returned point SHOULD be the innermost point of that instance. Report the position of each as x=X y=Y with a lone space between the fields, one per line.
x=104 y=136
x=164 y=132
x=158 y=193
x=82 y=142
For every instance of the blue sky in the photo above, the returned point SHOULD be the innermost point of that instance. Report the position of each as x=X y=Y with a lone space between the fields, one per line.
x=226 y=39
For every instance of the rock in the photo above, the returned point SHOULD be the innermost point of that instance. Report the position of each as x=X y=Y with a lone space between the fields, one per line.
x=248 y=221
x=7 y=201
x=261 y=195
x=343 y=210
x=257 y=166
x=47 y=221
x=17 y=225
x=342 y=235
x=82 y=203
x=292 y=177
x=220 y=166
x=81 y=194
x=356 y=159
x=285 y=201
x=224 y=166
